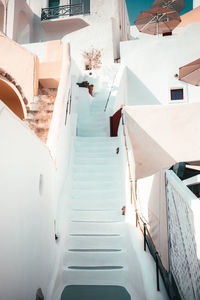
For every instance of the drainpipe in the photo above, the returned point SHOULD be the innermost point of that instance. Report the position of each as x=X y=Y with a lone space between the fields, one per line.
x=5 y=16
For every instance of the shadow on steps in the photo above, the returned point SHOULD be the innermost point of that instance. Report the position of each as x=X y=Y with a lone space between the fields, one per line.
x=95 y=292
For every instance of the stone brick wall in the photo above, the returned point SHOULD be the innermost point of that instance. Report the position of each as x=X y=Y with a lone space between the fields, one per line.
x=183 y=235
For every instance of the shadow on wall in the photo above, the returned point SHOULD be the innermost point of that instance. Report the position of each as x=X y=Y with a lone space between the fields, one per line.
x=23 y=29
x=58 y=28
x=138 y=93
x=157 y=216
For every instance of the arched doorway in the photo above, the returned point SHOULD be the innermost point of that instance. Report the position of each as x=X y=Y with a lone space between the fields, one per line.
x=12 y=98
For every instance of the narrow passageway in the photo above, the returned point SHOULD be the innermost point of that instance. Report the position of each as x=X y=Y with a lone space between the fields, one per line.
x=95 y=261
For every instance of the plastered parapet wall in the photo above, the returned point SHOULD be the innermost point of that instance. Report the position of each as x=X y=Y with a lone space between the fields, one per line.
x=21 y=64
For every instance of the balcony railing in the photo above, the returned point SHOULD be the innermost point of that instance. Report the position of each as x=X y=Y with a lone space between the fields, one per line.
x=64 y=10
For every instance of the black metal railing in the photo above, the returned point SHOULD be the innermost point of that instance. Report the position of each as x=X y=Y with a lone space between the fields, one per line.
x=169 y=283
x=64 y=10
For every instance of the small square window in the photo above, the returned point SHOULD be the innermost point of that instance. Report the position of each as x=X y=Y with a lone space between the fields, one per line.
x=53 y=3
x=177 y=94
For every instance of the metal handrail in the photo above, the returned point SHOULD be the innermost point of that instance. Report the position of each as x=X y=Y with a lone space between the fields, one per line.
x=110 y=93
x=63 y=10
x=141 y=223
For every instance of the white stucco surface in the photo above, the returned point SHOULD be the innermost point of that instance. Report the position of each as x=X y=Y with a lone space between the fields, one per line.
x=27 y=210
x=98 y=36
x=153 y=61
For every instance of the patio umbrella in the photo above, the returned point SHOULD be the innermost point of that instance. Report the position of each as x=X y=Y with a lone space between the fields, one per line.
x=178 y=5
x=157 y=20
x=190 y=73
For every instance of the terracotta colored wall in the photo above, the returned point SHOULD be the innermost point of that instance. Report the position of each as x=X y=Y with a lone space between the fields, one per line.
x=20 y=64
x=50 y=69
x=11 y=99
x=192 y=16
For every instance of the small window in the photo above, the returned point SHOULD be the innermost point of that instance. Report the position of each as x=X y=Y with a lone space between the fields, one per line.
x=77 y=10
x=176 y=94
x=167 y=33
x=53 y=3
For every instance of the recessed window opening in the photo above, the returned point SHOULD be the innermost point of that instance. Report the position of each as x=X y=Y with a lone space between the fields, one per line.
x=53 y=3
x=167 y=33
x=84 y=6
x=41 y=185
x=176 y=94
x=66 y=113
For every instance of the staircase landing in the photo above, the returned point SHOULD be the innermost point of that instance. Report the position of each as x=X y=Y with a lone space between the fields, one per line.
x=95 y=292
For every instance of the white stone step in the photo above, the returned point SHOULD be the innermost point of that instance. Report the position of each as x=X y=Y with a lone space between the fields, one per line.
x=96 y=155
x=81 y=160
x=97 y=114
x=97 y=109
x=96 y=150
x=96 y=176
x=96 y=139
x=94 y=258
x=87 y=133
x=96 y=228
x=101 y=119
x=96 y=168
x=96 y=185
x=96 y=203
x=95 y=215
x=94 y=277
x=93 y=124
x=103 y=195
x=95 y=242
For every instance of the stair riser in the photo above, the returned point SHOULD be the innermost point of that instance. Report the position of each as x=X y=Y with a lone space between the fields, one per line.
x=110 y=277
x=89 y=185
x=85 y=242
x=93 y=258
x=97 y=228
x=83 y=177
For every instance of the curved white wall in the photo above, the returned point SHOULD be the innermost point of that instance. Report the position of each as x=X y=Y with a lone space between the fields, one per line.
x=27 y=215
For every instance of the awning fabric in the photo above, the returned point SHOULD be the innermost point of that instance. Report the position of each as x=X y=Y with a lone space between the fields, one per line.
x=162 y=135
x=190 y=73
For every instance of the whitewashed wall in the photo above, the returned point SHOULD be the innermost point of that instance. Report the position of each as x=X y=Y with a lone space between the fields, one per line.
x=31 y=196
x=118 y=95
x=20 y=19
x=27 y=210
x=184 y=236
x=196 y=3
x=152 y=206
x=98 y=36
x=153 y=61
x=24 y=22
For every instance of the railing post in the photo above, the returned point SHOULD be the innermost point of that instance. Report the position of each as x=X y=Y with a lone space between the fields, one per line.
x=145 y=241
x=157 y=272
x=136 y=218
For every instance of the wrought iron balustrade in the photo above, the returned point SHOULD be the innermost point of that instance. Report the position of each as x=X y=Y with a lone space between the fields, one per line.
x=64 y=10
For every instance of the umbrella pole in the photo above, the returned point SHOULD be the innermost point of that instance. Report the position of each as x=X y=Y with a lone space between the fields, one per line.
x=157 y=28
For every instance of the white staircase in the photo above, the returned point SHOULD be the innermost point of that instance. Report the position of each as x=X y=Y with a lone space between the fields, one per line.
x=97 y=124
x=95 y=245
